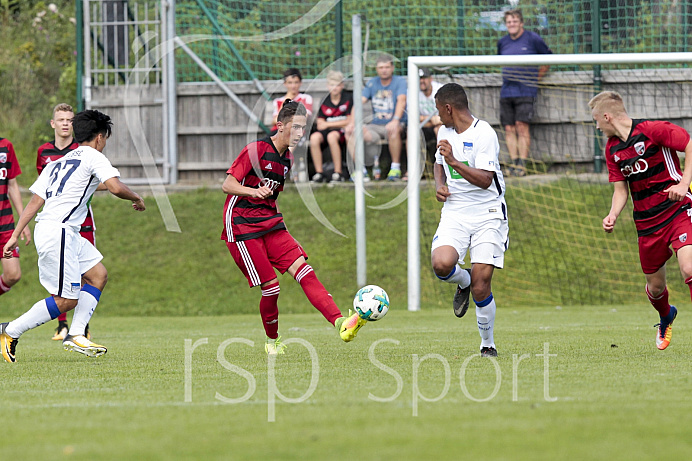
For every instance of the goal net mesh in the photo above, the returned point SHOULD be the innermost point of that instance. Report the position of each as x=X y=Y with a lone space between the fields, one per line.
x=558 y=251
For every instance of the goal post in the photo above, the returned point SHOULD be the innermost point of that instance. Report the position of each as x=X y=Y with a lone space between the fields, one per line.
x=553 y=60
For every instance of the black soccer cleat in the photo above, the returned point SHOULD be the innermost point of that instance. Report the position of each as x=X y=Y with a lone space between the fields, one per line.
x=461 y=299
x=488 y=352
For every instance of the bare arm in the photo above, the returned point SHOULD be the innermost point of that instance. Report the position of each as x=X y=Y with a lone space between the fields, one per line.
x=120 y=190
x=542 y=71
x=476 y=176
x=231 y=186
x=441 y=190
x=27 y=215
x=16 y=200
x=620 y=195
x=679 y=190
x=323 y=124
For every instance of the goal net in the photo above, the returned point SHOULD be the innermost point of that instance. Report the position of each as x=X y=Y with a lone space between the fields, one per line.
x=558 y=252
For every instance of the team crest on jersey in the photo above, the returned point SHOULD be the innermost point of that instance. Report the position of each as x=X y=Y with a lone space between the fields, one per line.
x=683 y=238
x=468 y=148
x=3 y=157
x=640 y=148
x=285 y=171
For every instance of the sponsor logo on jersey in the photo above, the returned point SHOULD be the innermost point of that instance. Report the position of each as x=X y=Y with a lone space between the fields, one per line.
x=285 y=171
x=269 y=166
x=683 y=238
x=639 y=147
x=270 y=183
x=640 y=166
x=617 y=159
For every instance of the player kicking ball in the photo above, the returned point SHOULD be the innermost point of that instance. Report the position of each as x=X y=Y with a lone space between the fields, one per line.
x=66 y=259
x=256 y=235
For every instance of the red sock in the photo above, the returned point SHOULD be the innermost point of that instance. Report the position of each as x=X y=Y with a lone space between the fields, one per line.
x=317 y=294
x=62 y=317
x=4 y=288
x=689 y=285
x=269 y=310
x=660 y=303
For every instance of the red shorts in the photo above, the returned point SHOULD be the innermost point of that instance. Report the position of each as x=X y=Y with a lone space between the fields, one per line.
x=654 y=249
x=258 y=257
x=4 y=238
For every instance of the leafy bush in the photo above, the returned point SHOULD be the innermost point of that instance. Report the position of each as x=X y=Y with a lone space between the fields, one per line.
x=37 y=70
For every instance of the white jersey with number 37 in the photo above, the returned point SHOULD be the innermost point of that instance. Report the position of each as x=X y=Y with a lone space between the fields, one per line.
x=67 y=184
x=479 y=148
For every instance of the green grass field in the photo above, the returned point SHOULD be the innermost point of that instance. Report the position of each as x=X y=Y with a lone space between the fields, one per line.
x=150 y=399
x=607 y=393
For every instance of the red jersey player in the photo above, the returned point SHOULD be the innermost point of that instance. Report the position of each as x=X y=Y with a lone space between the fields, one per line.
x=642 y=159
x=255 y=232
x=10 y=197
x=49 y=152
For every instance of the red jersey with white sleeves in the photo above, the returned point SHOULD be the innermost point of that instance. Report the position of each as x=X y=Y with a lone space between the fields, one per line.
x=259 y=163
x=48 y=152
x=649 y=162
x=9 y=169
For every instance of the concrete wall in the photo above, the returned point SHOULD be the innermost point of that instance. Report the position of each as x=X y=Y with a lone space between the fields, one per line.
x=212 y=129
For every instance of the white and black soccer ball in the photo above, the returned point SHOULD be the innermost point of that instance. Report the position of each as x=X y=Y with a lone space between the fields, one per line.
x=371 y=303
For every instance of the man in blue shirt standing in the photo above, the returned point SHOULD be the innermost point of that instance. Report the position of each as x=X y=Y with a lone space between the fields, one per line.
x=388 y=95
x=519 y=89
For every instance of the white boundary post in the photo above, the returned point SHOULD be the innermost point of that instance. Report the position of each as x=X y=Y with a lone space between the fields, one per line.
x=357 y=174
x=170 y=90
x=414 y=62
x=413 y=146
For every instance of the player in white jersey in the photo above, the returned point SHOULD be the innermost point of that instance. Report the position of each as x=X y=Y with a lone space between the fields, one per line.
x=69 y=265
x=469 y=182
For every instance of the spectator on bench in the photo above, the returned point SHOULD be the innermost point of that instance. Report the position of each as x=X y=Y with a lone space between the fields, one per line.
x=388 y=95
x=428 y=111
x=333 y=116
x=292 y=81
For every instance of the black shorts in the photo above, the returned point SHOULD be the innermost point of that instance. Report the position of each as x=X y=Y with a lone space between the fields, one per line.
x=324 y=133
x=514 y=110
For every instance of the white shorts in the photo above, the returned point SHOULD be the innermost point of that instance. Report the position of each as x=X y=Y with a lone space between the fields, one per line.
x=486 y=241
x=63 y=256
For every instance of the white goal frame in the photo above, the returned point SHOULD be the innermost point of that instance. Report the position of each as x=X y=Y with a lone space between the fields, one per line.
x=413 y=133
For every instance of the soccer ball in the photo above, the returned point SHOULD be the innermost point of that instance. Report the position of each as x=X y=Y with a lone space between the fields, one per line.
x=371 y=303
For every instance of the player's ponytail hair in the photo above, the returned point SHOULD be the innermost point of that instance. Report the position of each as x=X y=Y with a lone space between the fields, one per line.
x=290 y=109
x=90 y=123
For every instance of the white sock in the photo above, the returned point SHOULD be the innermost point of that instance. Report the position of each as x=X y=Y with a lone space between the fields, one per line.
x=88 y=299
x=459 y=276
x=40 y=313
x=485 y=315
x=395 y=166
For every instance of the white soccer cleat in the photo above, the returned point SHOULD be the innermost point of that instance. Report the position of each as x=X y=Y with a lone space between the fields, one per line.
x=84 y=346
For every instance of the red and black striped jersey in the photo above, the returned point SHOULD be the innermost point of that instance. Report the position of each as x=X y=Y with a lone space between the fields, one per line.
x=649 y=162
x=9 y=169
x=49 y=153
x=259 y=163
